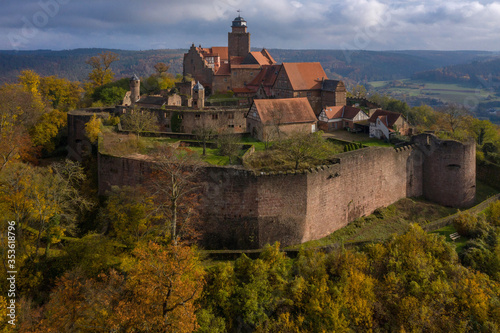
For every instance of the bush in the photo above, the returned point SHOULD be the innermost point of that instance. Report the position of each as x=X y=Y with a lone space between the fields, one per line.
x=466 y=224
x=493 y=213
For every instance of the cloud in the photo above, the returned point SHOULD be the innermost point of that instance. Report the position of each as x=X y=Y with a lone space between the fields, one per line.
x=301 y=24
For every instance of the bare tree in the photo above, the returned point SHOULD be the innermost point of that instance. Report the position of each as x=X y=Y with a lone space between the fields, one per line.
x=139 y=121
x=454 y=116
x=205 y=132
x=161 y=67
x=174 y=184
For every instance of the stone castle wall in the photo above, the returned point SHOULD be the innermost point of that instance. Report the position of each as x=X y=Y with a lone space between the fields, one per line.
x=241 y=209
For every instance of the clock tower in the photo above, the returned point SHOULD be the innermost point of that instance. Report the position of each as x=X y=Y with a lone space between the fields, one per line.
x=238 y=38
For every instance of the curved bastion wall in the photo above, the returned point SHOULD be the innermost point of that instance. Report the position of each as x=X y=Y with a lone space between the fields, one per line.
x=449 y=171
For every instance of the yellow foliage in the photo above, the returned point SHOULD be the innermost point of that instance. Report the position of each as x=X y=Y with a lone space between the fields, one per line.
x=48 y=128
x=93 y=128
x=359 y=297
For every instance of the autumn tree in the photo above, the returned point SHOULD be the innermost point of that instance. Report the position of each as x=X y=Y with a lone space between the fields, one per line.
x=359 y=91
x=128 y=214
x=228 y=145
x=161 y=67
x=93 y=128
x=60 y=93
x=302 y=147
x=101 y=68
x=454 y=116
x=174 y=185
x=45 y=132
x=139 y=121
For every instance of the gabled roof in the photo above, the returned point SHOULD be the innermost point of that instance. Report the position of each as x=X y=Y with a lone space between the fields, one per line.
x=285 y=110
x=267 y=76
x=350 y=112
x=388 y=118
x=260 y=58
x=221 y=51
x=333 y=112
x=224 y=69
x=343 y=112
x=304 y=75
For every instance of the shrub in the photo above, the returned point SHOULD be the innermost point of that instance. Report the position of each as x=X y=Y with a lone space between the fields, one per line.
x=466 y=224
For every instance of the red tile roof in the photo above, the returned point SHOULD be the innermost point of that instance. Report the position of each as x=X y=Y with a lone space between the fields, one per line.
x=333 y=112
x=261 y=58
x=305 y=75
x=221 y=51
x=387 y=117
x=343 y=111
x=350 y=112
x=224 y=69
x=267 y=76
x=289 y=110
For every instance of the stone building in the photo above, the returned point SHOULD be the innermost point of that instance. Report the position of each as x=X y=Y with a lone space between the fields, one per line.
x=227 y=68
x=334 y=118
x=268 y=119
x=308 y=79
x=384 y=123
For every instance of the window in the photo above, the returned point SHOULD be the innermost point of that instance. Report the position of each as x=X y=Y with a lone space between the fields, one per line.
x=230 y=116
x=230 y=126
x=225 y=79
x=251 y=73
x=197 y=116
x=215 y=116
x=181 y=116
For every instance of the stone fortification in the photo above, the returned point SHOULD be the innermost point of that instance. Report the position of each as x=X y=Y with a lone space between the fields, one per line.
x=244 y=209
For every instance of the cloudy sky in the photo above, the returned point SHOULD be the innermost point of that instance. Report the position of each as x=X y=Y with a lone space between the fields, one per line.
x=294 y=24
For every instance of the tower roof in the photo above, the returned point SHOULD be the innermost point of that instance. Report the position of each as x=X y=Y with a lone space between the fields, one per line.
x=239 y=22
x=134 y=78
x=198 y=87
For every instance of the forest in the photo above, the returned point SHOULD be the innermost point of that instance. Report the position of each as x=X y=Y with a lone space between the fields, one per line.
x=129 y=261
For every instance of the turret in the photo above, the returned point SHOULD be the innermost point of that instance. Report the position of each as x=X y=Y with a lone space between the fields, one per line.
x=198 y=96
x=135 y=89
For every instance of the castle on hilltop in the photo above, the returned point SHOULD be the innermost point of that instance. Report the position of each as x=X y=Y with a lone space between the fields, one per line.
x=243 y=208
x=229 y=67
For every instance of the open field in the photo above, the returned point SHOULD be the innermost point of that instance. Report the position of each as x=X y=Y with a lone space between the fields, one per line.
x=446 y=92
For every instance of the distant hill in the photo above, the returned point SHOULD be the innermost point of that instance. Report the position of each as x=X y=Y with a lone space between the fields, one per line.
x=351 y=66
x=71 y=64
x=483 y=72
x=365 y=66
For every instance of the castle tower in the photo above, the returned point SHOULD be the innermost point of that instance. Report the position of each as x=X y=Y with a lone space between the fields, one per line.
x=198 y=96
x=135 y=89
x=239 y=39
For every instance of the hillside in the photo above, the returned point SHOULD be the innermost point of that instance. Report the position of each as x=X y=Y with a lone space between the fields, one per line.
x=484 y=72
x=352 y=66
x=71 y=64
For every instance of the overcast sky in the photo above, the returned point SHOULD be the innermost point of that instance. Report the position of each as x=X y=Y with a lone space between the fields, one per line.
x=294 y=24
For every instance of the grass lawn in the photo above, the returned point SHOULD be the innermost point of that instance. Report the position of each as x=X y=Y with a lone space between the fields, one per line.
x=446 y=232
x=357 y=137
x=259 y=145
x=384 y=222
x=211 y=156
